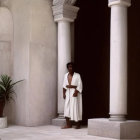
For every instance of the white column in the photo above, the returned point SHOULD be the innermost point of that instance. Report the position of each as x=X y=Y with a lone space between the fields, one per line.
x=64 y=56
x=64 y=14
x=118 y=59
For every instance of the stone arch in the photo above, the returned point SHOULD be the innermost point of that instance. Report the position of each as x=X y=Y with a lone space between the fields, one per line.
x=6 y=49
x=6 y=39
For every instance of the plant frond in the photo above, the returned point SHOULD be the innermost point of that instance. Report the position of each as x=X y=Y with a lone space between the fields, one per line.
x=3 y=88
x=6 y=87
x=17 y=82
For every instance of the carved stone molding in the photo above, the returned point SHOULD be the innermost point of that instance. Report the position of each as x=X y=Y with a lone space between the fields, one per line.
x=60 y=2
x=64 y=10
x=119 y=2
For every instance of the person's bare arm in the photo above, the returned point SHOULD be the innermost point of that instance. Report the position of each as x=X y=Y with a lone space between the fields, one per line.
x=64 y=93
x=71 y=86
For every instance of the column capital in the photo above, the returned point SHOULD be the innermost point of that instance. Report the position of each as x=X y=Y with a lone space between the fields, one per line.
x=64 y=10
x=61 y=2
x=126 y=3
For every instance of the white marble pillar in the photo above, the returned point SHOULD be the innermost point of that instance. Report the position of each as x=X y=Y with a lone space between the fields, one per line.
x=117 y=128
x=64 y=56
x=64 y=14
x=118 y=59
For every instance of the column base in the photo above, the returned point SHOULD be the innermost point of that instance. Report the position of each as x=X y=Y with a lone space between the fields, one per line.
x=59 y=121
x=114 y=129
x=117 y=117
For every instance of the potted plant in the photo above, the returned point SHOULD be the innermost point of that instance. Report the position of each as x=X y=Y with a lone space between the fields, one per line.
x=6 y=95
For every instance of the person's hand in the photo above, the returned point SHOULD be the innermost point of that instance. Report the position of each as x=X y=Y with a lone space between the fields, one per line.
x=74 y=87
x=75 y=94
x=68 y=86
x=64 y=96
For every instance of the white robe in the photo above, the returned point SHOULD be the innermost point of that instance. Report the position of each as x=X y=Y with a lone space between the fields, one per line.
x=73 y=105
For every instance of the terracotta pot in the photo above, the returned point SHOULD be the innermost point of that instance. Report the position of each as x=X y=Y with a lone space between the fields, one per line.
x=2 y=105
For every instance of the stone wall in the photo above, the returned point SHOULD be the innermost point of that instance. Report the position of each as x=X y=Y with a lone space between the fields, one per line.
x=6 y=39
x=34 y=60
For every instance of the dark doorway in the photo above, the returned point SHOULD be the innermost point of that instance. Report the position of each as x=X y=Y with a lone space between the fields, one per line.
x=92 y=56
x=134 y=61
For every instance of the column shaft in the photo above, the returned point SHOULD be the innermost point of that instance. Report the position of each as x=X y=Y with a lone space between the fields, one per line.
x=64 y=14
x=118 y=63
x=64 y=56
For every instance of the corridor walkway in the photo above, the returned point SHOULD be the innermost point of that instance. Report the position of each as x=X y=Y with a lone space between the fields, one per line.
x=45 y=133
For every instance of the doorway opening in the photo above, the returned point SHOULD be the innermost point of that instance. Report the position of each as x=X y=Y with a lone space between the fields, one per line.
x=92 y=57
x=92 y=48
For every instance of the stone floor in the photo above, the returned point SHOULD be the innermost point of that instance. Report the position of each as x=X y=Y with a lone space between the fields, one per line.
x=46 y=133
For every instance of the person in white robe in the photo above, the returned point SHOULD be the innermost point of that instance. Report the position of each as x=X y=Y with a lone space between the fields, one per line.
x=72 y=93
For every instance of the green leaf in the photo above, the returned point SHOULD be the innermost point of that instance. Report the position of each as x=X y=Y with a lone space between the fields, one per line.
x=7 y=87
x=1 y=86
x=16 y=82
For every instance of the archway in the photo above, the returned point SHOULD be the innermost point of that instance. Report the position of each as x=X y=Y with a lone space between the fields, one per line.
x=6 y=48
